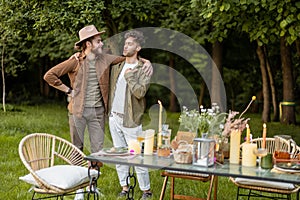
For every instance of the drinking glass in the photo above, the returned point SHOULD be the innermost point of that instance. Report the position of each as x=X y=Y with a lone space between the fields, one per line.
x=260 y=152
x=141 y=137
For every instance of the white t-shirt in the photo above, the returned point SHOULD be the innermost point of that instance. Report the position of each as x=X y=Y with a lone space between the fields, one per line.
x=119 y=99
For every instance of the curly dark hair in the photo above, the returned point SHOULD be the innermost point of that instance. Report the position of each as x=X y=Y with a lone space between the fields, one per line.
x=137 y=35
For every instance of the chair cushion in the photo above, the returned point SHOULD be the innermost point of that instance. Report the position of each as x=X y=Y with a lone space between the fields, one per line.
x=262 y=183
x=61 y=176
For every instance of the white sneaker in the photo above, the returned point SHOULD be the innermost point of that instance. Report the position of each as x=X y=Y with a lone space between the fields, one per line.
x=79 y=195
x=96 y=190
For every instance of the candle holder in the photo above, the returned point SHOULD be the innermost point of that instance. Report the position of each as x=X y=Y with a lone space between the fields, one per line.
x=203 y=152
x=165 y=148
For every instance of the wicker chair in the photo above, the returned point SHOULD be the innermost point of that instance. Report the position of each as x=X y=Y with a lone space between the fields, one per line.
x=42 y=153
x=258 y=188
x=190 y=176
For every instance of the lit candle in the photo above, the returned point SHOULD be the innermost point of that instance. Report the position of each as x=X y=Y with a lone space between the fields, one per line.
x=248 y=134
x=264 y=136
x=159 y=142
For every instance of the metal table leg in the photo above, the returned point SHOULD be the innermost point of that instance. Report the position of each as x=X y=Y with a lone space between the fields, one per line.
x=131 y=182
x=93 y=181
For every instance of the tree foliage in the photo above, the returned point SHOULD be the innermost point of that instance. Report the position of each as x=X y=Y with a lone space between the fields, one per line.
x=38 y=34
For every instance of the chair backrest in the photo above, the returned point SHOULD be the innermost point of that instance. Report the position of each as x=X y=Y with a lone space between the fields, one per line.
x=282 y=144
x=41 y=150
x=296 y=152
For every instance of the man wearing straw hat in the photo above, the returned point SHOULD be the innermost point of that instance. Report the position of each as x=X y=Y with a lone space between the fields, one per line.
x=89 y=81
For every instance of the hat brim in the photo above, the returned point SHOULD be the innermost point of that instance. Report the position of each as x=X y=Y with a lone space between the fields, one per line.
x=79 y=42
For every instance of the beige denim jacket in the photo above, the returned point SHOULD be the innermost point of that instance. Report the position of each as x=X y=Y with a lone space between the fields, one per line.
x=137 y=85
x=77 y=71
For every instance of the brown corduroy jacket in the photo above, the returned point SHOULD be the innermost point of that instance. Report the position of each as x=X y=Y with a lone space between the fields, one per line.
x=77 y=71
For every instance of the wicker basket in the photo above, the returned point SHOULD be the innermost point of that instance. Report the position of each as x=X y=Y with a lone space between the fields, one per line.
x=285 y=157
x=183 y=154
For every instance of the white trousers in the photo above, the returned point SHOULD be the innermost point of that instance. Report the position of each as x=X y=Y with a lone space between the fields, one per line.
x=120 y=136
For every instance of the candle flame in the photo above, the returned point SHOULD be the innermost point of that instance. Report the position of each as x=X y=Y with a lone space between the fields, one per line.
x=264 y=125
x=247 y=126
x=159 y=102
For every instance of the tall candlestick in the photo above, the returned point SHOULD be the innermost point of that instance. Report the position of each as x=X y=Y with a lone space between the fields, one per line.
x=248 y=134
x=159 y=116
x=159 y=139
x=264 y=135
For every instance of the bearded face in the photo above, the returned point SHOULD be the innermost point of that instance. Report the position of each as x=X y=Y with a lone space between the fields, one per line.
x=97 y=45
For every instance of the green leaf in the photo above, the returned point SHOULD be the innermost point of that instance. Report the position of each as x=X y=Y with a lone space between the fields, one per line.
x=227 y=6
x=278 y=18
x=291 y=31
x=273 y=38
x=245 y=27
x=265 y=29
x=272 y=7
x=282 y=33
x=283 y=24
x=259 y=43
x=290 y=19
x=222 y=8
x=243 y=2
x=271 y=23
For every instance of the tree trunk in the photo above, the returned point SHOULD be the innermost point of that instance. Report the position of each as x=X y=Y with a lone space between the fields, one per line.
x=44 y=87
x=173 y=106
x=273 y=88
x=3 y=79
x=202 y=92
x=298 y=46
x=265 y=86
x=217 y=51
x=288 y=104
x=107 y=17
x=112 y=29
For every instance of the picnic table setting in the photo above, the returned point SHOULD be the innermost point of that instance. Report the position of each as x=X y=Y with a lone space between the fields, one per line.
x=209 y=144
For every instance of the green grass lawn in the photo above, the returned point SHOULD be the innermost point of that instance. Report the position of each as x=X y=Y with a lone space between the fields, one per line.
x=14 y=125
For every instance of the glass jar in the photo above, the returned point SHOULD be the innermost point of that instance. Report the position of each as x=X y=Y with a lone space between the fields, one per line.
x=165 y=148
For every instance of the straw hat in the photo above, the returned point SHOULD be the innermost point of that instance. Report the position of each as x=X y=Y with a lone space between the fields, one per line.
x=87 y=32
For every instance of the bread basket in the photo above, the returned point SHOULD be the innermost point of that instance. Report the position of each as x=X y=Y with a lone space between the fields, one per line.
x=183 y=154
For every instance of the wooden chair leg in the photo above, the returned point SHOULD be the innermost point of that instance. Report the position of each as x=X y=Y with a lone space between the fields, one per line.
x=215 y=187
x=163 y=190
x=172 y=188
x=211 y=184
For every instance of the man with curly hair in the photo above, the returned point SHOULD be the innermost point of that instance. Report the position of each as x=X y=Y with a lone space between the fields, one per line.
x=128 y=87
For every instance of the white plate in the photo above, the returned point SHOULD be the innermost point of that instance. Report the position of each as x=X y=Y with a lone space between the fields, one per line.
x=115 y=150
x=286 y=168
